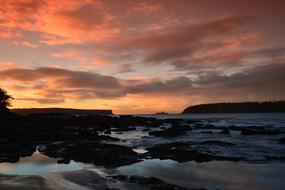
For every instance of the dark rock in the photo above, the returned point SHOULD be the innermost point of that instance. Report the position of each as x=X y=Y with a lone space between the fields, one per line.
x=270 y=158
x=11 y=152
x=63 y=161
x=108 y=155
x=178 y=152
x=107 y=138
x=225 y=131
x=259 y=131
x=282 y=140
x=209 y=126
x=173 y=131
x=183 y=152
x=107 y=132
x=207 y=132
x=151 y=182
x=124 y=129
x=220 y=143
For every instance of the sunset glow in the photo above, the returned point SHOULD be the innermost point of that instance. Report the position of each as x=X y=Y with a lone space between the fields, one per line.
x=142 y=56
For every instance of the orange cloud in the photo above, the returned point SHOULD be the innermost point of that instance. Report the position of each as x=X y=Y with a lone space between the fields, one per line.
x=70 y=54
x=63 y=87
x=26 y=44
x=182 y=49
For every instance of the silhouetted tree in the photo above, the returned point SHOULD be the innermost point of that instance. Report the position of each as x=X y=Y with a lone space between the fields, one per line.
x=5 y=100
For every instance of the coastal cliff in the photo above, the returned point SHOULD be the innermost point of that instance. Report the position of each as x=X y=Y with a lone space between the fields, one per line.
x=65 y=111
x=242 y=107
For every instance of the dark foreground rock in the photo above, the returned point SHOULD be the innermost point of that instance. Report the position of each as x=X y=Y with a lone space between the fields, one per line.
x=270 y=158
x=259 y=131
x=15 y=182
x=220 y=143
x=151 y=183
x=20 y=135
x=282 y=140
x=107 y=155
x=184 y=151
x=171 y=132
x=12 y=152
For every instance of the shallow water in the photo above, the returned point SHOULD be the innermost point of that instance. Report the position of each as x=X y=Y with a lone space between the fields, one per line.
x=236 y=119
x=221 y=175
x=38 y=164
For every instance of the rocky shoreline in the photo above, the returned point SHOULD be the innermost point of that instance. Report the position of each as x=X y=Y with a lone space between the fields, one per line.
x=88 y=139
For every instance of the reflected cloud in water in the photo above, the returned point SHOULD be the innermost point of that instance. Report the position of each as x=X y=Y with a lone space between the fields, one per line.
x=38 y=164
x=212 y=175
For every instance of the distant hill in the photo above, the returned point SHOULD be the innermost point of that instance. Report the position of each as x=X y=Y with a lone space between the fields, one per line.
x=242 y=107
x=61 y=111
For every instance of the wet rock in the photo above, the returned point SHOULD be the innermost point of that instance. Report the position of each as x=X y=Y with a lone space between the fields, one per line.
x=86 y=179
x=207 y=132
x=11 y=152
x=9 y=158
x=146 y=129
x=270 y=158
x=214 y=142
x=107 y=132
x=282 y=140
x=209 y=126
x=185 y=151
x=173 y=131
x=225 y=131
x=125 y=129
x=151 y=183
x=107 y=138
x=259 y=131
x=177 y=152
x=108 y=155
x=63 y=161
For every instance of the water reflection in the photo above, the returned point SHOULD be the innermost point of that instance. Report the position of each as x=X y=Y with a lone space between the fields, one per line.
x=212 y=175
x=38 y=164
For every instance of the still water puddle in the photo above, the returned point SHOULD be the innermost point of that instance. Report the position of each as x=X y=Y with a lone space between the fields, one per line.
x=39 y=164
x=212 y=175
x=221 y=175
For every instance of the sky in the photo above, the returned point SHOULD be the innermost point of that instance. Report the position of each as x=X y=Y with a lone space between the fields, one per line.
x=141 y=56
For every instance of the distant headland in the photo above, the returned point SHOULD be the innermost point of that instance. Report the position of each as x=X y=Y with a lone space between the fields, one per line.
x=62 y=111
x=241 y=107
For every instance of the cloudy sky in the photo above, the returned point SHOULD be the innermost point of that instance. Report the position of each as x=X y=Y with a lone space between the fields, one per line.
x=141 y=56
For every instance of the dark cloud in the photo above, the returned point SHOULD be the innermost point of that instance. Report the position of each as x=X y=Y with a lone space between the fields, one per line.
x=176 y=85
x=44 y=100
x=63 y=77
x=265 y=82
x=182 y=42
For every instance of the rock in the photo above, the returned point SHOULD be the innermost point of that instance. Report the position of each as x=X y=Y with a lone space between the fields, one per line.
x=107 y=132
x=220 y=143
x=225 y=131
x=207 y=132
x=209 y=126
x=261 y=131
x=151 y=182
x=108 y=155
x=171 y=132
x=183 y=152
x=270 y=158
x=107 y=138
x=282 y=140
x=11 y=152
x=178 y=152
x=126 y=128
x=63 y=161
